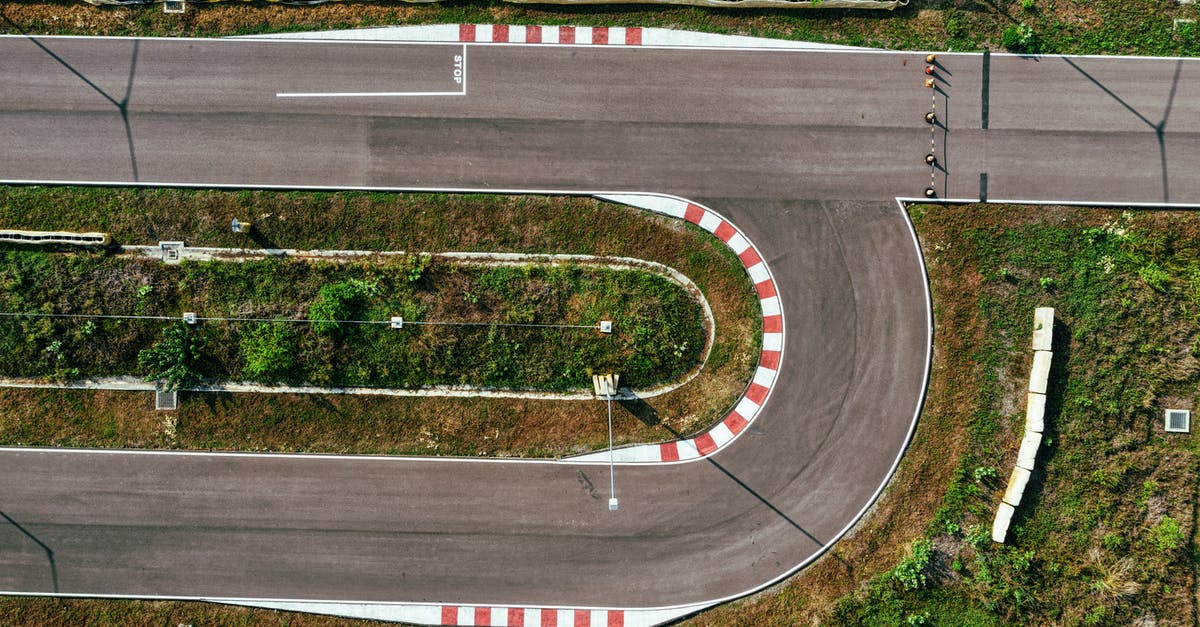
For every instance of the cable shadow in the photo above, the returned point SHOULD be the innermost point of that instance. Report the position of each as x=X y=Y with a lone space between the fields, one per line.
x=48 y=550
x=641 y=406
x=121 y=105
x=1159 y=128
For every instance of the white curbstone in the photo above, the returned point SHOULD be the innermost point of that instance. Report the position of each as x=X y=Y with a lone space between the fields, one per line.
x=1004 y=515
x=1035 y=412
x=1039 y=374
x=1017 y=480
x=1043 y=328
x=1029 y=449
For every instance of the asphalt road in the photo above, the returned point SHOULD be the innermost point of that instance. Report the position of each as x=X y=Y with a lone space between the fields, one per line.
x=803 y=151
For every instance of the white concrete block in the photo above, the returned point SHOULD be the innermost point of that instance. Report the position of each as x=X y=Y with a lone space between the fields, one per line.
x=1017 y=480
x=1004 y=515
x=1035 y=412
x=1039 y=374
x=1029 y=449
x=1043 y=328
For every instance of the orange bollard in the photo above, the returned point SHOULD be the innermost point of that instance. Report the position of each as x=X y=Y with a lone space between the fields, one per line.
x=930 y=58
x=929 y=82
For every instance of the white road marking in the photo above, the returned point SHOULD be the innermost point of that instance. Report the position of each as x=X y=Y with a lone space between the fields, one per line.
x=366 y=94
x=459 y=74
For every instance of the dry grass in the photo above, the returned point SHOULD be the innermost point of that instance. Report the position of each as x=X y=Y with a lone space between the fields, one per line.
x=417 y=222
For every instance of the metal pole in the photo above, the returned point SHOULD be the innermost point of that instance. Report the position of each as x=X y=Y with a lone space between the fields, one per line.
x=612 y=477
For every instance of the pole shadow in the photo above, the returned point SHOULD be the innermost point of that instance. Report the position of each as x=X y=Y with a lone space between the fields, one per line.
x=261 y=239
x=121 y=105
x=1159 y=128
x=48 y=550
x=643 y=411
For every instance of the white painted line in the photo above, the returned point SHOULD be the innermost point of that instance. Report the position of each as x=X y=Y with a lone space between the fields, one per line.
x=464 y=69
x=461 y=78
x=368 y=94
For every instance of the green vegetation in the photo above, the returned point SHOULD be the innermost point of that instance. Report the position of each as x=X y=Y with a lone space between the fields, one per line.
x=173 y=361
x=341 y=221
x=1104 y=533
x=1046 y=26
x=658 y=336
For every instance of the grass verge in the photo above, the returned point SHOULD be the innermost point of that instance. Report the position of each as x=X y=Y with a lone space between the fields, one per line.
x=1049 y=26
x=658 y=337
x=1105 y=533
x=426 y=222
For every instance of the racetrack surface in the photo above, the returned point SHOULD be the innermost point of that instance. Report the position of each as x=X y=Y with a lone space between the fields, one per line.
x=803 y=151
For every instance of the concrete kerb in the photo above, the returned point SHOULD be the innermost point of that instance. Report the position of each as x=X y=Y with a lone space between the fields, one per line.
x=531 y=35
x=744 y=412
x=120 y=383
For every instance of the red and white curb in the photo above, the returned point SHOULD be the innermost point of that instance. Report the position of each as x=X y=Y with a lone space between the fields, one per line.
x=554 y=35
x=744 y=413
x=481 y=615
x=585 y=35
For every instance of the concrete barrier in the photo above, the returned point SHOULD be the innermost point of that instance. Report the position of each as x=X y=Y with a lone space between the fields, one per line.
x=1017 y=480
x=1035 y=412
x=1039 y=374
x=1043 y=328
x=55 y=237
x=1000 y=525
x=1035 y=421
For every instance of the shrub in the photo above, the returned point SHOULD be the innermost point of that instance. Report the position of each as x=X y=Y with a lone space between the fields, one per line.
x=1167 y=535
x=337 y=303
x=910 y=572
x=1019 y=38
x=268 y=350
x=172 y=361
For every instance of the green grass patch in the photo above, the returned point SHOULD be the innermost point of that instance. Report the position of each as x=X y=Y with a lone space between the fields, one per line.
x=659 y=331
x=1104 y=533
x=1030 y=26
x=381 y=222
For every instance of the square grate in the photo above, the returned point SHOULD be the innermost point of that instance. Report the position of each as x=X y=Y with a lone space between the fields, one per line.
x=1178 y=421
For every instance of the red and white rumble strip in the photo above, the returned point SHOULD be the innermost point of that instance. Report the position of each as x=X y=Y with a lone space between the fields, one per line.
x=594 y=35
x=482 y=615
x=736 y=421
x=553 y=35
